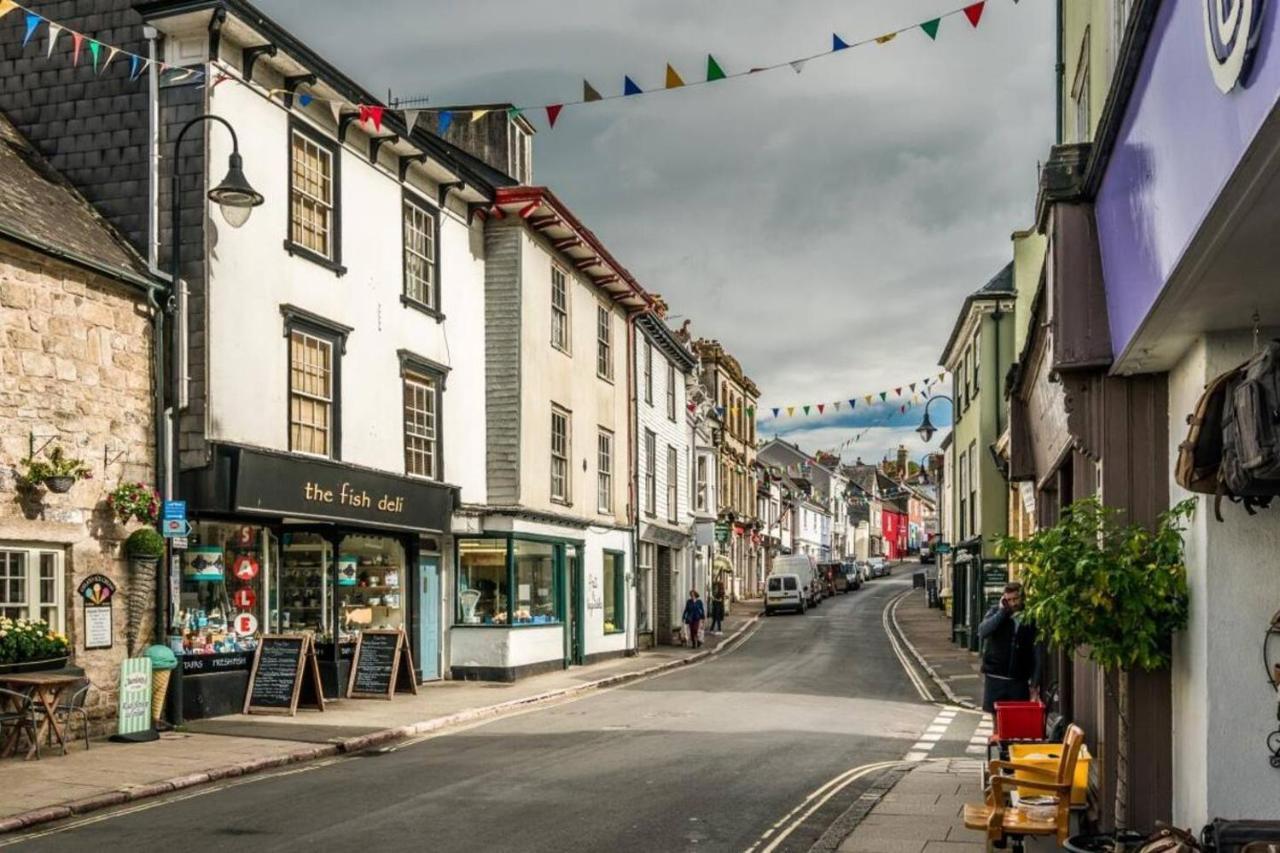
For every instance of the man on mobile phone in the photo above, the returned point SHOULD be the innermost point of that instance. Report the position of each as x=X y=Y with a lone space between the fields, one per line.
x=1010 y=658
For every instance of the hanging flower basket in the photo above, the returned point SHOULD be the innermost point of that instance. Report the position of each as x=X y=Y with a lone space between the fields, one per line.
x=59 y=485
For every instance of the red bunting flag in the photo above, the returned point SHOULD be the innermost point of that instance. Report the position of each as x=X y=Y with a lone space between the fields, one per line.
x=821 y=407
x=974 y=12
x=553 y=112
x=897 y=391
x=371 y=113
x=76 y=40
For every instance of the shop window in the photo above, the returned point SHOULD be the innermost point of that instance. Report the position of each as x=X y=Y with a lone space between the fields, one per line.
x=304 y=584
x=559 y=309
x=604 y=343
x=604 y=464
x=370 y=587
x=224 y=589
x=31 y=585
x=313 y=197
x=489 y=572
x=421 y=271
x=560 y=452
x=535 y=583
x=614 y=593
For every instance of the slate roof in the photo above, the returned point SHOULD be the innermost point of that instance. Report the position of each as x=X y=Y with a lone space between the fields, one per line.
x=999 y=287
x=39 y=206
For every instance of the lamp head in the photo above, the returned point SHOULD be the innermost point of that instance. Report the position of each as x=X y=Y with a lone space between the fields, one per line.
x=235 y=196
x=926 y=428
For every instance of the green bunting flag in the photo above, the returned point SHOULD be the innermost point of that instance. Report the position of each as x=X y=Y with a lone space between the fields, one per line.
x=806 y=410
x=94 y=48
x=884 y=395
x=931 y=28
x=514 y=113
x=751 y=411
x=714 y=71
x=589 y=92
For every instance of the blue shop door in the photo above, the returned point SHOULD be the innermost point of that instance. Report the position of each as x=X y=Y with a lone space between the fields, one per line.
x=429 y=608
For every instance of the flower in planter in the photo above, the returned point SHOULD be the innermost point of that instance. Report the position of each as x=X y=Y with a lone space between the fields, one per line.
x=135 y=500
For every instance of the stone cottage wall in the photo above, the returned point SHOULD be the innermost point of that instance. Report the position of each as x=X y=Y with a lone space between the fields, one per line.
x=75 y=365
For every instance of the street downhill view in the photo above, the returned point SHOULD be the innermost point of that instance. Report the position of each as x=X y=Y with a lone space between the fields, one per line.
x=640 y=426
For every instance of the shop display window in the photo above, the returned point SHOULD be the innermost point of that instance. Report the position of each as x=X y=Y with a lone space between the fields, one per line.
x=508 y=582
x=223 y=588
x=371 y=581
x=302 y=602
x=614 y=593
x=483 y=589
x=535 y=601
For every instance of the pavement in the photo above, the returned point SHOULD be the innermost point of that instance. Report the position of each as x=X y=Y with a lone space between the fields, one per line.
x=110 y=774
x=759 y=748
x=918 y=807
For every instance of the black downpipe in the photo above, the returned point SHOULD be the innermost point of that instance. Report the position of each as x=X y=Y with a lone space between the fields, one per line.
x=1061 y=69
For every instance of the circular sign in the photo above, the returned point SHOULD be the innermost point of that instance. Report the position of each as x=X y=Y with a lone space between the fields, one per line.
x=1231 y=37
x=245 y=568
x=244 y=536
x=246 y=624
x=244 y=598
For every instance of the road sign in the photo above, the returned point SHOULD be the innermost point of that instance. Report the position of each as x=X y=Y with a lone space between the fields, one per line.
x=175 y=510
x=175 y=528
x=179 y=543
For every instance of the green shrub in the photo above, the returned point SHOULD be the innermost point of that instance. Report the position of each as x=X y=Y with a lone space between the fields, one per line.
x=144 y=542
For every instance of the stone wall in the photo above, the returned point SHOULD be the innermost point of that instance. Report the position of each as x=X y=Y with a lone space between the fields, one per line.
x=75 y=366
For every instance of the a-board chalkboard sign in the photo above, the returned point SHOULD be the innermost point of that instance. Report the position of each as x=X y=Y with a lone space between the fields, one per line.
x=383 y=665
x=284 y=674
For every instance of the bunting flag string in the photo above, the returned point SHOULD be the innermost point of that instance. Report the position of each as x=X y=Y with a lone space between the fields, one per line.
x=920 y=389
x=83 y=41
x=972 y=12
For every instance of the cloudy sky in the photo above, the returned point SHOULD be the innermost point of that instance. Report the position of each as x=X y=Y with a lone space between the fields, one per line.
x=824 y=226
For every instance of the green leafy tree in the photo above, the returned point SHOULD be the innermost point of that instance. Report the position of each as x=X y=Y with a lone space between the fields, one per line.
x=1117 y=591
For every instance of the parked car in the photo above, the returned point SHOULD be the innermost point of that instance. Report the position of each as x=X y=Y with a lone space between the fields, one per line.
x=879 y=567
x=852 y=580
x=804 y=567
x=926 y=555
x=784 y=591
x=833 y=578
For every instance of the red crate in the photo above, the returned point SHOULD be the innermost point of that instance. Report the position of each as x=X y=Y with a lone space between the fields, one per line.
x=1019 y=720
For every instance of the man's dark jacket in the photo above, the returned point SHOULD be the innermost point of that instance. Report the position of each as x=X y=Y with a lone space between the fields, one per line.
x=1008 y=648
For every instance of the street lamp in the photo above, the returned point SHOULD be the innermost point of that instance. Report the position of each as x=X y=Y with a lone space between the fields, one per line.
x=926 y=428
x=236 y=198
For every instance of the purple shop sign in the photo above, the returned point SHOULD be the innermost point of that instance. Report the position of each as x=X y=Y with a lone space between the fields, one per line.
x=1179 y=143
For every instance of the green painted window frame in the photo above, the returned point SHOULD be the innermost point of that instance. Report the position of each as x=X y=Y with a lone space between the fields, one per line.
x=619 y=589
x=558 y=586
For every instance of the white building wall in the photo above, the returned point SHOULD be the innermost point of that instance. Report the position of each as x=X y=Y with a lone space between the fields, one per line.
x=668 y=432
x=251 y=276
x=1223 y=709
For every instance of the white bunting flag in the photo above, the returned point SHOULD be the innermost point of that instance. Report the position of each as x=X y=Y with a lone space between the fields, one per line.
x=335 y=107
x=55 y=30
x=411 y=119
x=110 y=56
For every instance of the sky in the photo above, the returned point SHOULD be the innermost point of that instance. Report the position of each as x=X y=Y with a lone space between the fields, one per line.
x=825 y=226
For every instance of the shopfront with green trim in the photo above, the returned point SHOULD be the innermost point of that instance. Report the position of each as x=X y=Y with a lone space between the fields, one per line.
x=526 y=603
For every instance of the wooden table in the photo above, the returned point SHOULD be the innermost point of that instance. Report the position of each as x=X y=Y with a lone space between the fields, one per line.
x=44 y=689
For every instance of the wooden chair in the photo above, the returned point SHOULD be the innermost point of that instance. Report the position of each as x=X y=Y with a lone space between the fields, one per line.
x=1001 y=820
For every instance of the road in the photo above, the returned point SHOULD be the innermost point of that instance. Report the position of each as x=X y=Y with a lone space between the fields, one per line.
x=719 y=756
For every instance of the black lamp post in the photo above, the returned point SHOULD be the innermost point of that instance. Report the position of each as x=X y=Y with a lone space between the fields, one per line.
x=236 y=199
x=926 y=428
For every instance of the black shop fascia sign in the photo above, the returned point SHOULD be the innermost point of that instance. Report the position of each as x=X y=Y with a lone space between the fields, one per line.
x=245 y=480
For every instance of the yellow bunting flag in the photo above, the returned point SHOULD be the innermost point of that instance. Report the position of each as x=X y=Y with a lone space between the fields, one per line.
x=7 y=6
x=673 y=79
x=476 y=115
x=791 y=410
x=886 y=38
x=868 y=399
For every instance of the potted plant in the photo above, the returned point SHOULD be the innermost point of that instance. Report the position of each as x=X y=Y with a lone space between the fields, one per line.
x=1117 y=591
x=30 y=645
x=144 y=548
x=132 y=501
x=57 y=472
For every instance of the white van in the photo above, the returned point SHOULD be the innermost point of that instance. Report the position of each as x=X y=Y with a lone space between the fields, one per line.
x=806 y=571
x=784 y=592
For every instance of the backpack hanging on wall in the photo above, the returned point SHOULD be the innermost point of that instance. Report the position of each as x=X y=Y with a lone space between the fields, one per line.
x=1250 y=471
x=1200 y=456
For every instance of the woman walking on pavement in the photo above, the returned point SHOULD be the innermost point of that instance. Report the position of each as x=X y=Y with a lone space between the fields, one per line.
x=717 y=609
x=694 y=613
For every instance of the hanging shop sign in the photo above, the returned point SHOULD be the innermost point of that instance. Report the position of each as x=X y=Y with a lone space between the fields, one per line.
x=722 y=532
x=315 y=489
x=245 y=567
x=204 y=563
x=98 y=592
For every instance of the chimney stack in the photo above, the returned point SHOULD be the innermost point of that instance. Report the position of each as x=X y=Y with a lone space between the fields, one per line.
x=902 y=463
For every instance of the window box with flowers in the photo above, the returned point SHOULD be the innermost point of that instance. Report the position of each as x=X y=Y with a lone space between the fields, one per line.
x=30 y=645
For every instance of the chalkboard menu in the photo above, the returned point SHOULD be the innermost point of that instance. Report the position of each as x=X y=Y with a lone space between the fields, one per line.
x=382 y=666
x=284 y=672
